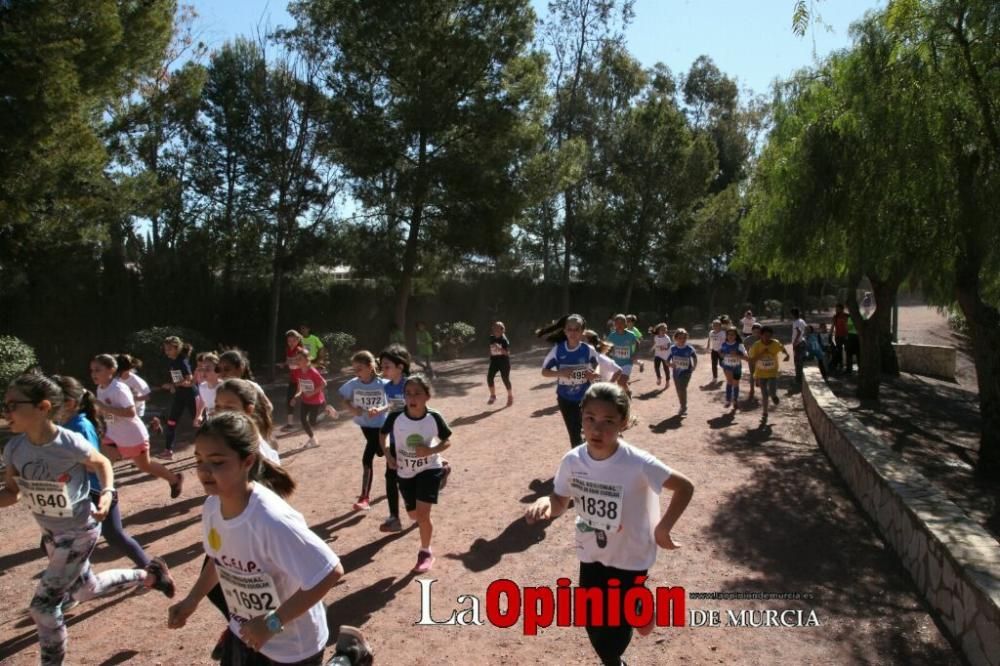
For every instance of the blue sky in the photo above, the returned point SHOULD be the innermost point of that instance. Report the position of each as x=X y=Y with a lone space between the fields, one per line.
x=749 y=39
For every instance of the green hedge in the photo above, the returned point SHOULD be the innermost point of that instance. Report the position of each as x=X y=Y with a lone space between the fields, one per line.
x=16 y=356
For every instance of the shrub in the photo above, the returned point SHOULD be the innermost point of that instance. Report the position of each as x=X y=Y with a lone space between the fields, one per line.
x=147 y=345
x=16 y=356
x=772 y=307
x=956 y=319
x=452 y=337
x=686 y=316
x=339 y=346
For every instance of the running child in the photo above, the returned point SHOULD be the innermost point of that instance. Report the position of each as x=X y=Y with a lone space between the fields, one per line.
x=365 y=398
x=661 y=347
x=682 y=361
x=245 y=397
x=574 y=365
x=748 y=321
x=748 y=343
x=715 y=339
x=273 y=569
x=234 y=364
x=499 y=362
x=314 y=345
x=208 y=363
x=733 y=354
x=395 y=363
x=633 y=327
x=128 y=367
x=310 y=394
x=764 y=356
x=79 y=414
x=608 y=370
x=125 y=429
x=293 y=345
x=181 y=385
x=614 y=487
x=624 y=343
x=421 y=436
x=46 y=467
x=425 y=348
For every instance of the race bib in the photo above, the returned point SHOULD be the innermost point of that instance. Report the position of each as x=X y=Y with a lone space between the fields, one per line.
x=767 y=363
x=578 y=376
x=621 y=352
x=662 y=348
x=248 y=595
x=497 y=350
x=369 y=399
x=46 y=498
x=598 y=504
x=307 y=385
x=397 y=404
x=408 y=458
x=681 y=362
x=731 y=361
x=176 y=376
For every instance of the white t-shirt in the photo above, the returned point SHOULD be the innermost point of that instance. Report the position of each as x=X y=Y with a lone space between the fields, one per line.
x=122 y=431
x=661 y=346
x=207 y=394
x=800 y=326
x=264 y=556
x=715 y=339
x=748 y=323
x=606 y=367
x=619 y=497
x=267 y=451
x=408 y=433
x=139 y=389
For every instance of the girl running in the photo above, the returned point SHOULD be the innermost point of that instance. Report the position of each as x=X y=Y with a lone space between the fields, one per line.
x=234 y=364
x=181 y=385
x=80 y=415
x=715 y=339
x=125 y=429
x=293 y=344
x=273 y=569
x=245 y=397
x=748 y=343
x=733 y=354
x=661 y=347
x=608 y=370
x=614 y=487
x=625 y=345
x=46 y=467
x=395 y=363
x=499 y=362
x=682 y=360
x=127 y=372
x=310 y=394
x=574 y=365
x=208 y=363
x=421 y=436
x=365 y=398
x=764 y=356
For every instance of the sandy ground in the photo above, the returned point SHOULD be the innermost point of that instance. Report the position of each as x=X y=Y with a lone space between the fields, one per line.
x=769 y=514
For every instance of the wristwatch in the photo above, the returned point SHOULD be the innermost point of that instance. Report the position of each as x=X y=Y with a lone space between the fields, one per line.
x=273 y=623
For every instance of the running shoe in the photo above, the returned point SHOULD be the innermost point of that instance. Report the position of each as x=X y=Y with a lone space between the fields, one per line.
x=510 y=399
x=311 y=443
x=177 y=487
x=492 y=399
x=165 y=454
x=287 y=427
x=362 y=504
x=445 y=473
x=727 y=404
x=352 y=649
x=391 y=524
x=424 y=562
x=774 y=399
x=162 y=580
x=332 y=412
x=69 y=603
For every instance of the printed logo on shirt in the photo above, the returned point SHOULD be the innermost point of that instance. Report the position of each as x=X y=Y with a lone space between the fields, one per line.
x=214 y=539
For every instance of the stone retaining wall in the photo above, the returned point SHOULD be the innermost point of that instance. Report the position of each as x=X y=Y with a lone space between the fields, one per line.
x=929 y=360
x=954 y=562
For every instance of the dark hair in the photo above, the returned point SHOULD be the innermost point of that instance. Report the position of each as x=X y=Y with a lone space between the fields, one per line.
x=127 y=362
x=421 y=381
x=238 y=359
x=593 y=338
x=208 y=356
x=107 y=360
x=250 y=396
x=767 y=329
x=840 y=305
x=397 y=354
x=735 y=331
x=183 y=348
x=795 y=312
x=37 y=387
x=610 y=393
x=556 y=331
x=73 y=390
x=239 y=433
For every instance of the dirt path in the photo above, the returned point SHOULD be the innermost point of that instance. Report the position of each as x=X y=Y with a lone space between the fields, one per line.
x=769 y=515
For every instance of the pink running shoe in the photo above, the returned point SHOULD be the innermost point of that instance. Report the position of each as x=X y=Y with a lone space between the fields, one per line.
x=362 y=504
x=424 y=562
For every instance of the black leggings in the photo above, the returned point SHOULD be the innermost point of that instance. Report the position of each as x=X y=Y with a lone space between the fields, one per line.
x=392 y=486
x=573 y=418
x=716 y=359
x=657 y=362
x=372 y=448
x=499 y=364
x=309 y=414
x=609 y=642
x=183 y=400
x=116 y=536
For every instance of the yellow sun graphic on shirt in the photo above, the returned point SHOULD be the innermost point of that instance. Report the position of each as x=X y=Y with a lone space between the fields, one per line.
x=214 y=540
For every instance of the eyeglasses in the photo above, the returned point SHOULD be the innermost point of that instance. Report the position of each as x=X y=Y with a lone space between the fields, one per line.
x=11 y=405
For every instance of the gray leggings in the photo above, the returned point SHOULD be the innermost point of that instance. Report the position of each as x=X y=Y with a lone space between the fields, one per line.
x=69 y=575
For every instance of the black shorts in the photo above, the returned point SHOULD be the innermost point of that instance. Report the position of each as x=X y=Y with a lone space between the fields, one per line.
x=423 y=487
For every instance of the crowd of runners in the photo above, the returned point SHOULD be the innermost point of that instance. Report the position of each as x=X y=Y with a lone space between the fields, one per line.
x=264 y=569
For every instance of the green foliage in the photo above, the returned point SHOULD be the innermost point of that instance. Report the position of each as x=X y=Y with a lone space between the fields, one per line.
x=772 y=307
x=147 y=345
x=339 y=347
x=956 y=319
x=16 y=356
x=452 y=337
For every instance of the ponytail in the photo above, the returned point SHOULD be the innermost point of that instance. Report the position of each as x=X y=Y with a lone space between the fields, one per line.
x=73 y=390
x=273 y=476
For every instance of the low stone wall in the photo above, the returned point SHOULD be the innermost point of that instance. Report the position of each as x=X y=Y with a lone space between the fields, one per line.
x=929 y=360
x=954 y=562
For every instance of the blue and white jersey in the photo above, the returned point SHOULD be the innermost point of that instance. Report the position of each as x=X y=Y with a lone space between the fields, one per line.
x=683 y=358
x=579 y=360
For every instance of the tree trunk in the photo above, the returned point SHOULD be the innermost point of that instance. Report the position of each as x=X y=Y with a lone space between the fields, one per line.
x=277 y=275
x=885 y=295
x=629 y=287
x=412 y=238
x=568 y=223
